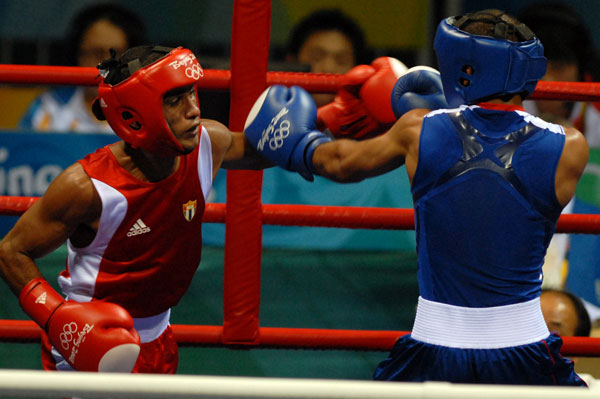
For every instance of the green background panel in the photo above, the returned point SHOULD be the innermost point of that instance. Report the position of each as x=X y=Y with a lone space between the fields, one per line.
x=299 y=289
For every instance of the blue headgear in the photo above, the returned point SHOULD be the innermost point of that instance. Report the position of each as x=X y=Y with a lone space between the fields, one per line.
x=477 y=67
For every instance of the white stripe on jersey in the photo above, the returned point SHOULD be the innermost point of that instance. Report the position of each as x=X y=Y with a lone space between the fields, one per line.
x=534 y=120
x=205 y=163
x=84 y=263
x=553 y=127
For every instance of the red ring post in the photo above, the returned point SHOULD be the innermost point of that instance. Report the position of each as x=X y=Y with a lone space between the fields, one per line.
x=243 y=223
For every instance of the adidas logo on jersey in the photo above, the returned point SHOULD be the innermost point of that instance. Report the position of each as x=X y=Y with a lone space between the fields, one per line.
x=139 y=227
x=41 y=299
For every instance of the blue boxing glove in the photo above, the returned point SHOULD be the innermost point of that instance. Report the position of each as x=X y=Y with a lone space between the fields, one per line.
x=281 y=127
x=419 y=87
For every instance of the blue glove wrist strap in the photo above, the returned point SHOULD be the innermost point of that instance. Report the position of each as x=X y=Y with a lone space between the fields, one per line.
x=303 y=162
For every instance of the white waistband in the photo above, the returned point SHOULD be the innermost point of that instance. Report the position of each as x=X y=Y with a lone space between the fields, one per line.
x=479 y=328
x=152 y=327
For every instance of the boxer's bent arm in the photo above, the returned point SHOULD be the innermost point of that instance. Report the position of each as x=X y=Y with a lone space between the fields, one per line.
x=69 y=201
x=350 y=161
x=231 y=150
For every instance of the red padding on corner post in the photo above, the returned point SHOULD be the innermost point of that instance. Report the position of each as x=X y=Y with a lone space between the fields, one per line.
x=243 y=247
x=243 y=224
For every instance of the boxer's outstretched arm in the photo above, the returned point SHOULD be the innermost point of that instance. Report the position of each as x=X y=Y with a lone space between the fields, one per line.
x=231 y=150
x=350 y=161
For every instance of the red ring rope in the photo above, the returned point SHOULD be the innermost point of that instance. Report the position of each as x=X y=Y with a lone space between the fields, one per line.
x=15 y=206
x=278 y=337
x=221 y=79
x=216 y=79
x=331 y=216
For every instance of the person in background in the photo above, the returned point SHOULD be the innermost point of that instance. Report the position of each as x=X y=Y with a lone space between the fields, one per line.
x=92 y=32
x=565 y=313
x=325 y=41
x=571 y=261
x=569 y=49
x=567 y=46
x=329 y=41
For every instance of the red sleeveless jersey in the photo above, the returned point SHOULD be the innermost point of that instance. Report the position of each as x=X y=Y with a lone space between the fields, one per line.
x=149 y=240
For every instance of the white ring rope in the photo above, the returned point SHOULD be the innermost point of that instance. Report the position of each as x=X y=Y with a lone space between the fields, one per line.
x=28 y=383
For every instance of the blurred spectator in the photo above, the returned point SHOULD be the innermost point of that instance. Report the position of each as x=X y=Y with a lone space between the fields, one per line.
x=565 y=313
x=567 y=45
x=330 y=42
x=572 y=56
x=570 y=52
x=92 y=32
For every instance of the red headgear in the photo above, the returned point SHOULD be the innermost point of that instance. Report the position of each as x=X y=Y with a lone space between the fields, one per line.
x=133 y=107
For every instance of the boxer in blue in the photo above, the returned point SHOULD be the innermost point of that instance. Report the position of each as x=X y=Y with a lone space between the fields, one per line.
x=488 y=181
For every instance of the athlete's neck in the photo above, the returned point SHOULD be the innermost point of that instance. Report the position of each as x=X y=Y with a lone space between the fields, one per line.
x=514 y=100
x=143 y=164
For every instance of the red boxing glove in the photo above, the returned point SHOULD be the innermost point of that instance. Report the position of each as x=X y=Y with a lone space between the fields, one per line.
x=91 y=336
x=376 y=92
x=362 y=108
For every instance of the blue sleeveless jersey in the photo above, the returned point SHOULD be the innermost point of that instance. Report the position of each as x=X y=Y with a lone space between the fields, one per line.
x=485 y=205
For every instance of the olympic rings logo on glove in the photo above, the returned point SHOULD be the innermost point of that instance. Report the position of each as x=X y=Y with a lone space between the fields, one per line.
x=279 y=135
x=194 y=72
x=67 y=335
